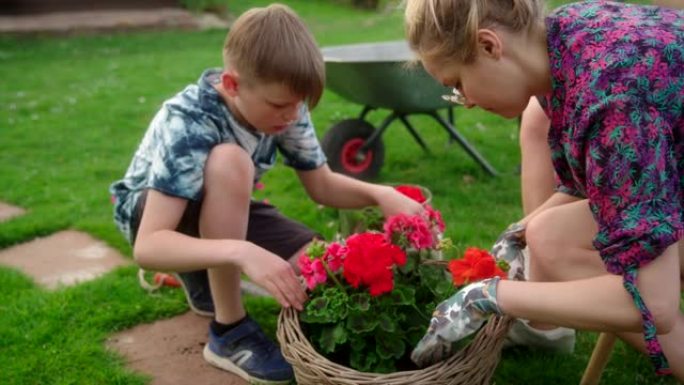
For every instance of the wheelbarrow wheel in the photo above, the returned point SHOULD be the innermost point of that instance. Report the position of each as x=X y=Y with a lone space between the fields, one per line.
x=341 y=145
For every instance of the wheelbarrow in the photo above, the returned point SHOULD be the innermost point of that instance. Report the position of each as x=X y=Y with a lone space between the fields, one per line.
x=376 y=76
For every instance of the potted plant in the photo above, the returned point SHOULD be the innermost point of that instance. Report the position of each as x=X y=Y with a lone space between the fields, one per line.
x=372 y=293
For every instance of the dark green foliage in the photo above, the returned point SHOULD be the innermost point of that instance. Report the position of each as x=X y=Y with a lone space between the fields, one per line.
x=375 y=334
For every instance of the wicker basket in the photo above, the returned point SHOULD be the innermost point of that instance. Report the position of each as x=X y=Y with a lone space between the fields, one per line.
x=473 y=365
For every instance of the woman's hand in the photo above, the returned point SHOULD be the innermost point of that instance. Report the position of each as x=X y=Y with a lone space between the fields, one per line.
x=459 y=316
x=508 y=247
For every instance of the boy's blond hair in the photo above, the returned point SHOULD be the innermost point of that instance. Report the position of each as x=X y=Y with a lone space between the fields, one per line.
x=446 y=30
x=272 y=45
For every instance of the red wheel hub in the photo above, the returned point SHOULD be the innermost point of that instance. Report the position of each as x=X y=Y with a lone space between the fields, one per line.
x=354 y=161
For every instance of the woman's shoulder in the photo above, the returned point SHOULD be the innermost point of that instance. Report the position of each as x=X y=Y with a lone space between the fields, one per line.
x=600 y=15
x=598 y=36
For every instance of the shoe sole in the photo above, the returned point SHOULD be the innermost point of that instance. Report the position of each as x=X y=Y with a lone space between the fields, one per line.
x=521 y=335
x=197 y=311
x=227 y=365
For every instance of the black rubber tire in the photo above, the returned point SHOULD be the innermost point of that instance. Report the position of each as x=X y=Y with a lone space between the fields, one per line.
x=340 y=140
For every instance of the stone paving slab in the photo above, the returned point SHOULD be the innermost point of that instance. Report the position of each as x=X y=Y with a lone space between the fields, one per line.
x=64 y=258
x=8 y=211
x=107 y=21
x=170 y=351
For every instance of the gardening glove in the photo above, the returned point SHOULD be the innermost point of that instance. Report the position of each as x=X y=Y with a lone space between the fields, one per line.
x=508 y=248
x=456 y=318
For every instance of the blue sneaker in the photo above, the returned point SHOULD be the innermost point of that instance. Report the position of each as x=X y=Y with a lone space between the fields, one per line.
x=197 y=292
x=246 y=351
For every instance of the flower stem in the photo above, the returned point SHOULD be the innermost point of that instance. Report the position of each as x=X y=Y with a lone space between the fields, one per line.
x=332 y=276
x=420 y=312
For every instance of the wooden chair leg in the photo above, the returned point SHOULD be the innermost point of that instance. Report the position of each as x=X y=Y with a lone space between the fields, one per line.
x=599 y=358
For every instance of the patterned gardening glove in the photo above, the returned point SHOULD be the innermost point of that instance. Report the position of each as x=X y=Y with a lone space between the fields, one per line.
x=508 y=248
x=456 y=318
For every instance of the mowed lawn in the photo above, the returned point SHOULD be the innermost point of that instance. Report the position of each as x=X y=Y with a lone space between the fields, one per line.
x=72 y=110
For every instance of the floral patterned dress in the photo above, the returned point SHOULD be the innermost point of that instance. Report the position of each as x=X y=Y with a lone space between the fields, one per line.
x=617 y=120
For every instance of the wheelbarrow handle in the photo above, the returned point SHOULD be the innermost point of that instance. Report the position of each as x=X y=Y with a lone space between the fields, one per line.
x=599 y=359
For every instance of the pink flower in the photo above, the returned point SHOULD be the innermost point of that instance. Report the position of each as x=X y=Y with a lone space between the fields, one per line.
x=414 y=229
x=435 y=218
x=334 y=256
x=312 y=270
x=421 y=236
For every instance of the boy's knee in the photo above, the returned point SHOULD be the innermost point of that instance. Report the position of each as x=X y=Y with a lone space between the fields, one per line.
x=229 y=163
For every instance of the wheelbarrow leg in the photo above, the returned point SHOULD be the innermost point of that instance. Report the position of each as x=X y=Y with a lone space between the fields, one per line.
x=365 y=111
x=464 y=143
x=414 y=133
x=450 y=115
x=452 y=121
x=599 y=359
x=378 y=132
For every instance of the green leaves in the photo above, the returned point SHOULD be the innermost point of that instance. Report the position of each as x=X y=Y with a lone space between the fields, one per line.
x=331 y=337
x=330 y=306
x=357 y=221
x=316 y=249
x=435 y=279
x=387 y=323
x=374 y=334
x=388 y=346
x=359 y=302
x=360 y=322
x=401 y=295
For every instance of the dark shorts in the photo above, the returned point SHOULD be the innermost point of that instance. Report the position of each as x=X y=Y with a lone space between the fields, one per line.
x=267 y=227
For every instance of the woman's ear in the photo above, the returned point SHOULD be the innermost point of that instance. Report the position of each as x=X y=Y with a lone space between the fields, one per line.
x=489 y=44
x=230 y=82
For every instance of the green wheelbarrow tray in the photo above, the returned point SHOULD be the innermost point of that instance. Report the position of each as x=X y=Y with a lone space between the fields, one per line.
x=381 y=76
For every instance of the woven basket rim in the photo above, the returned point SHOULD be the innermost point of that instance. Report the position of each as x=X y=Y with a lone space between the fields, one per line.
x=473 y=364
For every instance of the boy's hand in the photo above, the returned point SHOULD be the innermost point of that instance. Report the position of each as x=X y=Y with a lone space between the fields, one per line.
x=392 y=202
x=275 y=275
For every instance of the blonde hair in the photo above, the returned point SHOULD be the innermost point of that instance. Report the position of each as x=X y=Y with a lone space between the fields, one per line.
x=446 y=30
x=272 y=45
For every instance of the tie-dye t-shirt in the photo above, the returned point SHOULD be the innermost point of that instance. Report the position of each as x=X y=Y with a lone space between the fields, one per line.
x=174 y=149
x=616 y=129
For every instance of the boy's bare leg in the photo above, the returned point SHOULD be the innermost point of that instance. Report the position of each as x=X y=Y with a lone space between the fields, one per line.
x=561 y=240
x=228 y=178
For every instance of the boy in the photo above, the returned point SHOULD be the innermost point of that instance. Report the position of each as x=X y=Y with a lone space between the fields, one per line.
x=185 y=200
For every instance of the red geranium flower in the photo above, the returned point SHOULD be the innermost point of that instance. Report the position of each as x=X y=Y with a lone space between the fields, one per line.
x=369 y=262
x=312 y=270
x=412 y=192
x=476 y=265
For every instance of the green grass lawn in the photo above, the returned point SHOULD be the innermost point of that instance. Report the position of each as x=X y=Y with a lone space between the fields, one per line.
x=72 y=111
